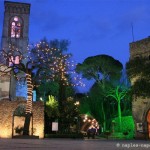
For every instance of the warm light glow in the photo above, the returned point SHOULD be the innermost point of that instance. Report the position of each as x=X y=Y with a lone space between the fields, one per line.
x=77 y=103
x=5 y=132
x=39 y=130
x=89 y=120
x=29 y=93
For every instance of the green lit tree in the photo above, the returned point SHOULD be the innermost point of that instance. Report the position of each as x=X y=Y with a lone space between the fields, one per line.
x=118 y=94
x=51 y=107
x=101 y=68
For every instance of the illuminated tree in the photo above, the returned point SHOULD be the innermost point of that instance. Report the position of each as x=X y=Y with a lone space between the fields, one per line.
x=60 y=68
x=64 y=75
x=118 y=94
x=101 y=68
x=22 y=66
x=52 y=107
x=43 y=61
x=16 y=67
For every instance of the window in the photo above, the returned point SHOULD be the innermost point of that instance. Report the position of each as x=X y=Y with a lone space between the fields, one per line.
x=15 y=31
x=14 y=60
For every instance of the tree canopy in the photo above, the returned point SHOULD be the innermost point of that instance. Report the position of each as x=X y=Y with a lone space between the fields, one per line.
x=104 y=70
x=100 y=67
x=138 y=71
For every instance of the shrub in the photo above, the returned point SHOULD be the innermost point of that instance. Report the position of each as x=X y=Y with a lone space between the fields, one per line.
x=128 y=127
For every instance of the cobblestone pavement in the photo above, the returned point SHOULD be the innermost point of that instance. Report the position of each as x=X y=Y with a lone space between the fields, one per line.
x=70 y=144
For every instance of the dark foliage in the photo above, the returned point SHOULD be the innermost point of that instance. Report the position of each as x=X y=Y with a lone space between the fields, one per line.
x=138 y=71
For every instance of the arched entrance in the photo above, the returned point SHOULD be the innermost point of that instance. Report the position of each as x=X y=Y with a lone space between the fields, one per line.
x=18 y=121
x=148 y=123
x=87 y=121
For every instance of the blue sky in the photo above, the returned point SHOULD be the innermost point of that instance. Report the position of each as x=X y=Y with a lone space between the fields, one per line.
x=93 y=26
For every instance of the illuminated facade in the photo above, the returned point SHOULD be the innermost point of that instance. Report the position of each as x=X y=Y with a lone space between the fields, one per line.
x=15 y=43
x=4 y=86
x=15 y=33
x=9 y=121
x=140 y=105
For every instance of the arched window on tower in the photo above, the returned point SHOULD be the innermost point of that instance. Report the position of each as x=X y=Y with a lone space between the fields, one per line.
x=15 y=27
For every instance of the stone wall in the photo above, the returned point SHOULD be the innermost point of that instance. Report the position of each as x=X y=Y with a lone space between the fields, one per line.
x=140 y=109
x=4 y=86
x=140 y=48
x=140 y=105
x=7 y=109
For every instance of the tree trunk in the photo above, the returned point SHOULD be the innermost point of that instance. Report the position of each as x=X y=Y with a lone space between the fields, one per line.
x=28 y=105
x=27 y=124
x=62 y=98
x=119 y=116
x=104 y=117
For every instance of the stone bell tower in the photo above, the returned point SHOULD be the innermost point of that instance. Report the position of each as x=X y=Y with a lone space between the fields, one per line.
x=15 y=32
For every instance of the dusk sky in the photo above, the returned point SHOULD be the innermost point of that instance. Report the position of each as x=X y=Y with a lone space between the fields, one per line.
x=93 y=26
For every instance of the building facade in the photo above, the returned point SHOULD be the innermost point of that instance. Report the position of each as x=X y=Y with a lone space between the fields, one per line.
x=140 y=105
x=15 y=42
x=10 y=122
x=15 y=34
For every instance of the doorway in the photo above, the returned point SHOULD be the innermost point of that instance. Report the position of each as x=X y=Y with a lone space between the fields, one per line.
x=148 y=123
x=18 y=121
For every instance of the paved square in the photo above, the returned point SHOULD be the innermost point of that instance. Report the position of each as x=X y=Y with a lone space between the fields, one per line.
x=70 y=144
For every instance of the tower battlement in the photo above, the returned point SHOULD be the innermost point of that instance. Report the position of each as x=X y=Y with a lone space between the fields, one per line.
x=140 y=48
x=16 y=7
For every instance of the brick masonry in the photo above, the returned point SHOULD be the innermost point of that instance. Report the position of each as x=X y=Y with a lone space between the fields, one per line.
x=7 y=109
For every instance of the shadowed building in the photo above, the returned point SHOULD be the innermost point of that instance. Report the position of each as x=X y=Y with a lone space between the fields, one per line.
x=140 y=105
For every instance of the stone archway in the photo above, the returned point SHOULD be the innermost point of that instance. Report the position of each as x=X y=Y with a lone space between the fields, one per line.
x=88 y=121
x=148 y=123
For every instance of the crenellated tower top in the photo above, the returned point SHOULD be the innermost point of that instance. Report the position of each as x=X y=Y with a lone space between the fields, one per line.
x=16 y=7
x=140 y=48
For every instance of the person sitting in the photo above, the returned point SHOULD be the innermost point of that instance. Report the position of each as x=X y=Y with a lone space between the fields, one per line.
x=91 y=132
x=88 y=133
